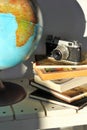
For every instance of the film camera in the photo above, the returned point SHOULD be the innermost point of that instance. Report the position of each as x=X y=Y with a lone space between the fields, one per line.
x=63 y=50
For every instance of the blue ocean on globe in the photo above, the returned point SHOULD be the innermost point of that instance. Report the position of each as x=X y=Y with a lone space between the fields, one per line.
x=10 y=54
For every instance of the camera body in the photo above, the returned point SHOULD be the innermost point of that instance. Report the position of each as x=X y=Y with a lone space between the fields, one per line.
x=51 y=43
x=65 y=51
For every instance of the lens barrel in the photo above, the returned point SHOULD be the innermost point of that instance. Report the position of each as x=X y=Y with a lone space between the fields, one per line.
x=60 y=53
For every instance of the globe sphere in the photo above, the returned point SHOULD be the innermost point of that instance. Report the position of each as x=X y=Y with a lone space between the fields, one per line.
x=21 y=28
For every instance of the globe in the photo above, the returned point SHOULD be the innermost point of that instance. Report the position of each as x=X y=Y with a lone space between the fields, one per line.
x=21 y=27
x=20 y=31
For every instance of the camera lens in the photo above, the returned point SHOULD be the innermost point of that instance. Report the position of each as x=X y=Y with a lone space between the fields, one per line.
x=57 y=54
x=61 y=52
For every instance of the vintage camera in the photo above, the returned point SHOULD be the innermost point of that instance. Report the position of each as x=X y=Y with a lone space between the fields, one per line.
x=64 y=51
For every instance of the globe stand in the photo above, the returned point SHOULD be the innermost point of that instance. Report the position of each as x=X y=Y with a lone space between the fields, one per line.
x=11 y=93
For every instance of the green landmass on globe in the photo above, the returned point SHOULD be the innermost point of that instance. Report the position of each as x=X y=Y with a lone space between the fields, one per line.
x=18 y=29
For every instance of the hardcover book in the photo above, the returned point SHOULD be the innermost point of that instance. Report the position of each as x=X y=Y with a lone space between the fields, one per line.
x=61 y=85
x=48 y=97
x=69 y=96
x=42 y=61
x=48 y=68
x=53 y=73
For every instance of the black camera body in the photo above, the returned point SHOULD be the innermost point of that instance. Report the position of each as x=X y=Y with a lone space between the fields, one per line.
x=65 y=51
x=51 y=43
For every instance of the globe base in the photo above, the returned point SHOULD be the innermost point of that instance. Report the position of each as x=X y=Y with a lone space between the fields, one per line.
x=11 y=93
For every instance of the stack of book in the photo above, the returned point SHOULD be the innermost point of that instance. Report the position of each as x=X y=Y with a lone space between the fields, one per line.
x=65 y=85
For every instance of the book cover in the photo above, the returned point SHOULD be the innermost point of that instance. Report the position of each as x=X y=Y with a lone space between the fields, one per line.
x=48 y=97
x=68 y=96
x=61 y=85
x=53 y=74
